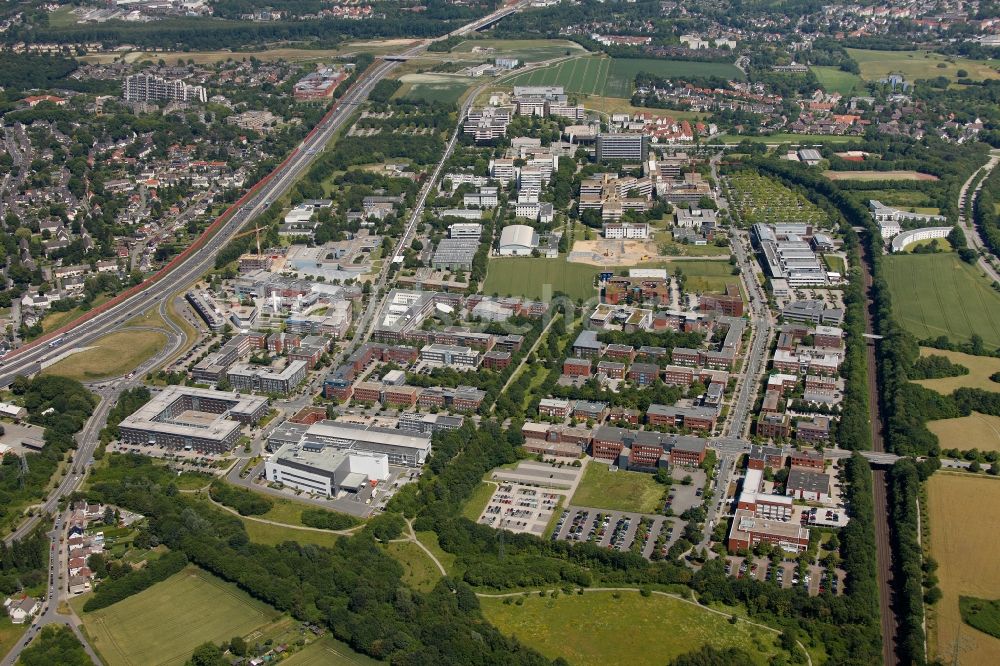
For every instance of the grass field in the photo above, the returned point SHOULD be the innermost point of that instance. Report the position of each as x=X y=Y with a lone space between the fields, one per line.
x=433 y=87
x=915 y=65
x=963 y=524
x=703 y=276
x=10 y=634
x=526 y=50
x=164 y=623
x=615 y=77
x=983 y=614
x=611 y=105
x=477 y=502
x=113 y=355
x=54 y=320
x=834 y=79
x=901 y=198
x=533 y=278
x=938 y=294
x=878 y=175
x=980 y=369
x=419 y=572
x=619 y=491
x=595 y=629
x=979 y=430
x=273 y=535
x=328 y=650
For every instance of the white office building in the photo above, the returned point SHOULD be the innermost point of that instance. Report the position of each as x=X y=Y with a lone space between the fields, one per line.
x=325 y=470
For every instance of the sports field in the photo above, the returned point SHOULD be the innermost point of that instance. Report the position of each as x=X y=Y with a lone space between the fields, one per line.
x=938 y=294
x=113 y=355
x=532 y=277
x=163 y=624
x=878 y=175
x=980 y=369
x=980 y=431
x=836 y=80
x=915 y=65
x=964 y=523
x=595 y=629
x=619 y=491
x=328 y=651
x=610 y=77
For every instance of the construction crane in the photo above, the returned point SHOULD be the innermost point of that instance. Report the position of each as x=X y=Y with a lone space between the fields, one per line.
x=256 y=230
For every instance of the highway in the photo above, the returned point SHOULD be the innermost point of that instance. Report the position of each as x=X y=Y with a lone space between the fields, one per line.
x=968 y=226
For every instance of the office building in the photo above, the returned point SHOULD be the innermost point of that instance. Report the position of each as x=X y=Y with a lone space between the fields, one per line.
x=402 y=448
x=622 y=146
x=263 y=379
x=314 y=467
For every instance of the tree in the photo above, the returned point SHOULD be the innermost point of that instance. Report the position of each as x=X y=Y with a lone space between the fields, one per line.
x=975 y=467
x=109 y=516
x=207 y=654
x=238 y=646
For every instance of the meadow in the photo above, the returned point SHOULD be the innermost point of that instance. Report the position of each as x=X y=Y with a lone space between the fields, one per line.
x=532 y=277
x=433 y=87
x=596 y=628
x=938 y=294
x=836 y=80
x=526 y=50
x=980 y=369
x=963 y=541
x=113 y=355
x=610 y=77
x=328 y=651
x=163 y=624
x=915 y=65
x=621 y=490
x=980 y=431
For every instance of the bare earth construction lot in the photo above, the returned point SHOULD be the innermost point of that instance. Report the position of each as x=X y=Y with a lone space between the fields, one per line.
x=964 y=522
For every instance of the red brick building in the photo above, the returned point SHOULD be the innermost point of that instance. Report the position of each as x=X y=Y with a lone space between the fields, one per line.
x=576 y=367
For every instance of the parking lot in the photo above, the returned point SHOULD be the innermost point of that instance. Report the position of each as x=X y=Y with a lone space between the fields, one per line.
x=817 y=579
x=641 y=533
x=681 y=496
x=527 y=495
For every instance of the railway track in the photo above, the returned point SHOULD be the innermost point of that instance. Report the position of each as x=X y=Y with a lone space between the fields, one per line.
x=880 y=485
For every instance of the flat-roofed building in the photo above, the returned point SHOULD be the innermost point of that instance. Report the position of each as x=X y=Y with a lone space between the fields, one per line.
x=557 y=407
x=185 y=417
x=748 y=530
x=805 y=484
x=403 y=448
x=324 y=470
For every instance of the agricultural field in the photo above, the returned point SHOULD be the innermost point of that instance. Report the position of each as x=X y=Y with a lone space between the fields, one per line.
x=915 y=65
x=113 y=355
x=532 y=277
x=878 y=175
x=601 y=488
x=963 y=541
x=759 y=199
x=938 y=294
x=447 y=88
x=836 y=80
x=980 y=369
x=980 y=431
x=163 y=624
x=526 y=50
x=609 y=77
x=328 y=651
x=596 y=628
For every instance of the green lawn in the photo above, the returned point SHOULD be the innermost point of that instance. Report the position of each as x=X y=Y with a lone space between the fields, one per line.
x=834 y=79
x=702 y=276
x=938 y=294
x=901 y=198
x=619 y=491
x=447 y=560
x=835 y=263
x=533 y=278
x=419 y=571
x=915 y=65
x=595 y=629
x=328 y=651
x=163 y=624
x=273 y=535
